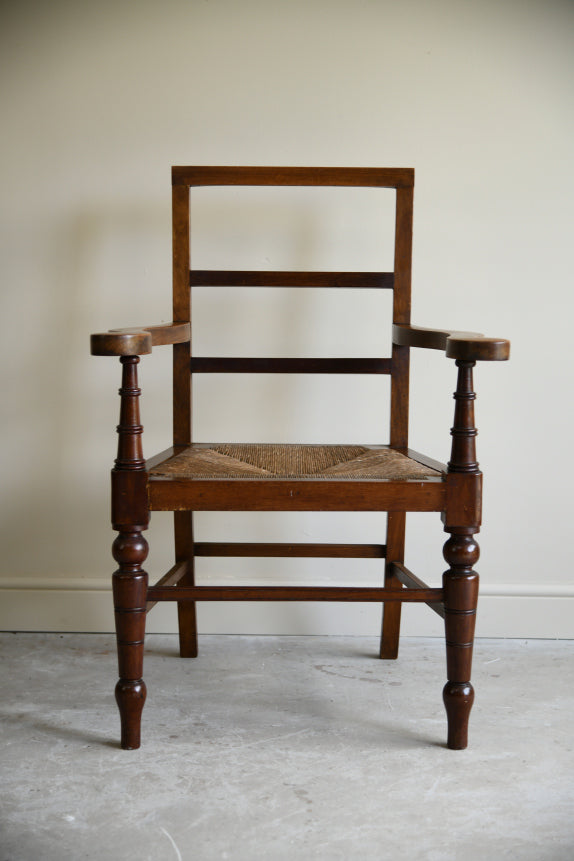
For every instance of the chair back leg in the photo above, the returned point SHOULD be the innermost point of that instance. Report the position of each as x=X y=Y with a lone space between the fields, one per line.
x=392 y=611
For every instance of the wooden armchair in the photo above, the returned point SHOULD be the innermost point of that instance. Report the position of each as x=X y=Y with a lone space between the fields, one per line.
x=228 y=477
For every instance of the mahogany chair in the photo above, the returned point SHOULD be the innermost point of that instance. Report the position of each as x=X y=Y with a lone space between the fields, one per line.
x=389 y=478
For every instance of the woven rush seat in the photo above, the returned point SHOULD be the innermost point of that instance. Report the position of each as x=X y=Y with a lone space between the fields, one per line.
x=266 y=460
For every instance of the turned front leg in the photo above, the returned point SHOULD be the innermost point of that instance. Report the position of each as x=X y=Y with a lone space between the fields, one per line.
x=130 y=516
x=129 y=585
x=460 y=583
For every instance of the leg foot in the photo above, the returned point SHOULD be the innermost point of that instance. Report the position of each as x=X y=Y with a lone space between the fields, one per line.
x=391 y=629
x=458 y=698
x=187 y=629
x=130 y=697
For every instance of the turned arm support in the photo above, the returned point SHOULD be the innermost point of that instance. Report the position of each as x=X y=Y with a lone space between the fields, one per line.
x=138 y=341
x=465 y=346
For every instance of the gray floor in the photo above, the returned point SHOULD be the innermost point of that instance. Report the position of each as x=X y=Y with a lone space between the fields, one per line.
x=285 y=748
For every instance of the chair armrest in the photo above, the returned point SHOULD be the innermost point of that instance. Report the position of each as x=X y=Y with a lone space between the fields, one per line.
x=465 y=346
x=138 y=341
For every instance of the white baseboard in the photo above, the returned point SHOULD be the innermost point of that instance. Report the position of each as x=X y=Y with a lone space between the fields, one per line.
x=505 y=610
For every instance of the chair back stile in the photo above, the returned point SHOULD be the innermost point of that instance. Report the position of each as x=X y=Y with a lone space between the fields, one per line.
x=182 y=392
x=401 y=314
x=182 y=411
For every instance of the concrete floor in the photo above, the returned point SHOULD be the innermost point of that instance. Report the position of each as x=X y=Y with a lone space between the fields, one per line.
x=285 y=748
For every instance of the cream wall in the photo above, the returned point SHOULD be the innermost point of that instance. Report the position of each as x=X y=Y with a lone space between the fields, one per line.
x=99 y=99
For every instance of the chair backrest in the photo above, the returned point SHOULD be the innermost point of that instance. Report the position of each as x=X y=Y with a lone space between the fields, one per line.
x=397 y=365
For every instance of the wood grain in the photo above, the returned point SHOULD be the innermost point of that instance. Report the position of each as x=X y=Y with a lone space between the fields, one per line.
x=323 y=551
x=138 y=340
x=461 y=551
x=261 y=278
x=251 y=494
x=315 y=176
x=130 y=549
x=263 y=365
x=411 y=581
x=290 y=593
x=467 y=346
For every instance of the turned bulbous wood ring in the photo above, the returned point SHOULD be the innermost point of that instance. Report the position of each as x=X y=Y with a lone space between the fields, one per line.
x=461 y=551
x=130 y=548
